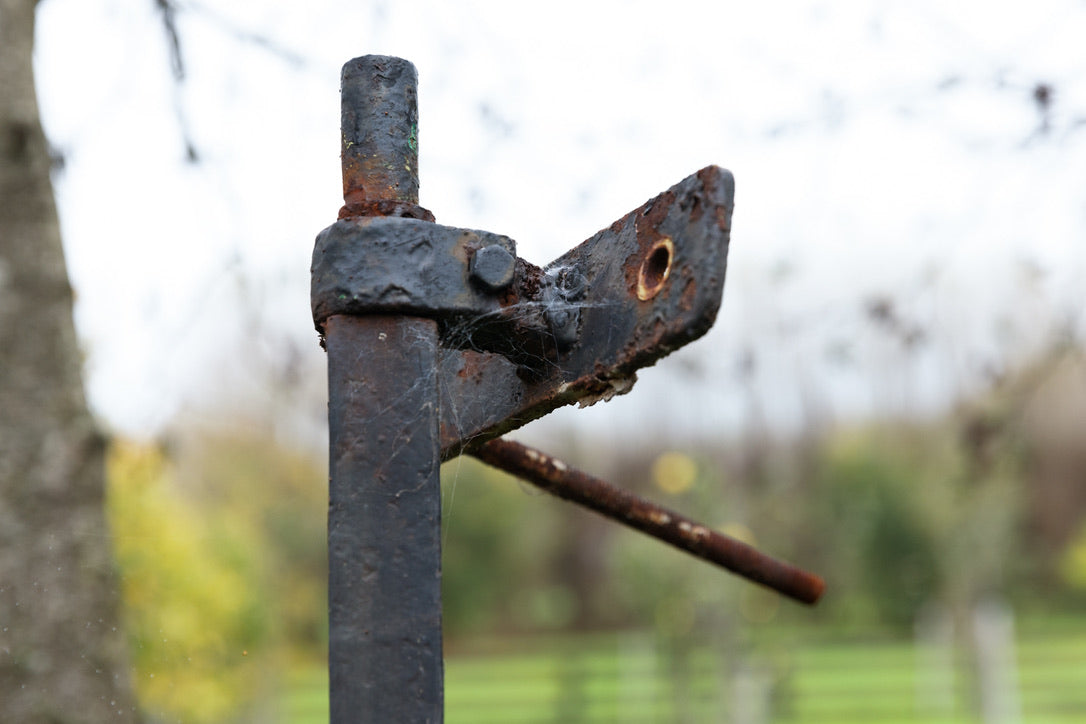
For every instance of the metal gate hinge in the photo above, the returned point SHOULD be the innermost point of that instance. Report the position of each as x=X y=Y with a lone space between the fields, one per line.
x=514 y=341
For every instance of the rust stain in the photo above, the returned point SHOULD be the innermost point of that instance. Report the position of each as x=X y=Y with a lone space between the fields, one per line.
x=655 y=211
x=721 y=215
x=690 y=293
x=647 y=221
x=357 y=204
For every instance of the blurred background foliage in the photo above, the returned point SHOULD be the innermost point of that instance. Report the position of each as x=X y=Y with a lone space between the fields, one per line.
x=221 y=543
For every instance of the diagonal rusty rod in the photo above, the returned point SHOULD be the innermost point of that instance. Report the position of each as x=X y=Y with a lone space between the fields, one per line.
x=563 y=481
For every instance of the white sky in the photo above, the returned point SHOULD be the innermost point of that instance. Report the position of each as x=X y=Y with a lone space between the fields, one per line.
x=880 y=149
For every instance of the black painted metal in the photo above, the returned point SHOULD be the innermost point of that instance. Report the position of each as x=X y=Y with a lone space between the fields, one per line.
x=378 y=265
x=384 y=519
x=384 y=543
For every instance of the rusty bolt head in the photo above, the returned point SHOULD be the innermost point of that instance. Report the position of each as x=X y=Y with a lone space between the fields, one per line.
x=493 y=267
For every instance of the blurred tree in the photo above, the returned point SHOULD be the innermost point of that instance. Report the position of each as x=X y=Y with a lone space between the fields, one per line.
x=1053 y=431
x=62 y=653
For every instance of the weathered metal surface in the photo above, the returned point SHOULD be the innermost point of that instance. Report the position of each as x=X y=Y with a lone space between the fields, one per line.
x=482 y=295
x=631 y=510
x=401 y=266
x=384 y=514
x=379 y=122
x=634 y=292
x=493 y=267
x=439 y=340
x=384 y=521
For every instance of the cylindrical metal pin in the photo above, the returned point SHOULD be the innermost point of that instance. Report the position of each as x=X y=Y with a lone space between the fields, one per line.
x=380 y=138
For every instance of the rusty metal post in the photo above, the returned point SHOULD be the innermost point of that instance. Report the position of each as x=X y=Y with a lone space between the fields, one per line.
x=414 y=313
x=384 y=515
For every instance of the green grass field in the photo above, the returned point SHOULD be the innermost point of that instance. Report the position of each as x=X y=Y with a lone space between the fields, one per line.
x=628 y=678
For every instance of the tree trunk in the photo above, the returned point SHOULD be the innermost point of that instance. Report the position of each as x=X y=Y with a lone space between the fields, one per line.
x=62 y=649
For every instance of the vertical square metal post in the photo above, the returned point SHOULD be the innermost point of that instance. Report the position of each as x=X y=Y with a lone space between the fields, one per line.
x=384 y=515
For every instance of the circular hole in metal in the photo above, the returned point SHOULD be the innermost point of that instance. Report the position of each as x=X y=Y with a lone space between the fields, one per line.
x=655 y=269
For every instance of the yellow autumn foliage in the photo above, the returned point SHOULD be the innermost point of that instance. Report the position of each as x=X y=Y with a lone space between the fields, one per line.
x=1072 y=566
x=193 y=611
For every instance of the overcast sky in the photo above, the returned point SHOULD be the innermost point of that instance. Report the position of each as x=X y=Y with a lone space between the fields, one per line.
x=882 y=151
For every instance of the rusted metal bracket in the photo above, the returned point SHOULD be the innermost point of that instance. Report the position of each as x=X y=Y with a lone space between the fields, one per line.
x=440 y=340
x=643 y=287
x=522 y=340
x=387 y=265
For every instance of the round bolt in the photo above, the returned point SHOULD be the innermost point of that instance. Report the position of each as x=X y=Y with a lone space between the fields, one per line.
x=493 y=267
